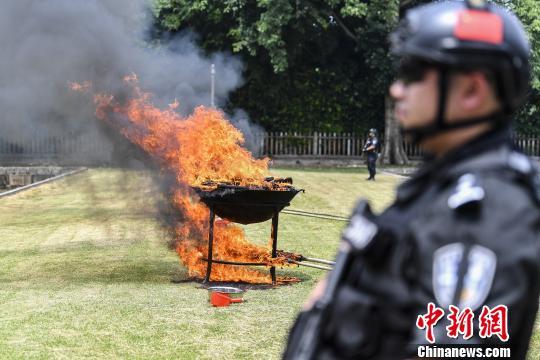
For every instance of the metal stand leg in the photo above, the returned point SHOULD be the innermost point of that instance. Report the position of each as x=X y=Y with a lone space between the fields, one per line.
x=274 y=235
x=210 y=243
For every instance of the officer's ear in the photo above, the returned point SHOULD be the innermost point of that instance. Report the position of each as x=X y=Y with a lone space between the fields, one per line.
x=475 y=91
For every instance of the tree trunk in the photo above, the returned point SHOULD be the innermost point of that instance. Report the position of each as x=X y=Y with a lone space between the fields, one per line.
x=394 y=153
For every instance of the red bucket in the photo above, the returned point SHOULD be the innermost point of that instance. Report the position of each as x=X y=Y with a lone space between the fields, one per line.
x=223 y=299
x=224 y=295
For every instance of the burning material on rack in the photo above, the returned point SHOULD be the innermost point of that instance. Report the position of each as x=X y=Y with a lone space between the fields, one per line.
x=213 y=176
x=246 y=205
x=204 y=154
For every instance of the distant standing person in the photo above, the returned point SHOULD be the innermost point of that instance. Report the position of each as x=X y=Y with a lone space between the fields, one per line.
x=371 y=148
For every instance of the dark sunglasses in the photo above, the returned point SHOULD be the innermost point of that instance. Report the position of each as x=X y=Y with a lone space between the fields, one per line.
x=411 y=71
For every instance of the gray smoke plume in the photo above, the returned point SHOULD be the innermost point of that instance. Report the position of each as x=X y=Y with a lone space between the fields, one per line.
x=252 y=132
x=48 y=44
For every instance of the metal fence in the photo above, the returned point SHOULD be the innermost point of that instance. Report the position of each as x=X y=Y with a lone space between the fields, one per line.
x=49 y=147
x=336 y=145
x=319 y=144
x=273 y=144
x=85 y=150
x=315 y=144
x=530 y=145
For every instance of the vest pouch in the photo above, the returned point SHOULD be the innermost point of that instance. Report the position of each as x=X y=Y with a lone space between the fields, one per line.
x=354 y=326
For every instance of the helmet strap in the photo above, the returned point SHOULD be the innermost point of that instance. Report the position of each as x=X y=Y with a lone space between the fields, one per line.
x=443 y=94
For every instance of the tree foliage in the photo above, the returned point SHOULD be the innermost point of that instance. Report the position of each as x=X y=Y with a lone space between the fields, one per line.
x=310 y=64
x=529 y=13
x=317 y=64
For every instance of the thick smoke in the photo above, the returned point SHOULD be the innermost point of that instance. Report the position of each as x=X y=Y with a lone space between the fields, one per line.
x=48 y=44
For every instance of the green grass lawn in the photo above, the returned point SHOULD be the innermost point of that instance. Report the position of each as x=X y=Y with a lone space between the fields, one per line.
x=85 y=271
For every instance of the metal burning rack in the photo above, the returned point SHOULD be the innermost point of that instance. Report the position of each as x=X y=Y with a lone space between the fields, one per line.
x=245 y=205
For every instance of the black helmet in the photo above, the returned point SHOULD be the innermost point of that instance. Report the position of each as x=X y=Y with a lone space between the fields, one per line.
x=470 y=35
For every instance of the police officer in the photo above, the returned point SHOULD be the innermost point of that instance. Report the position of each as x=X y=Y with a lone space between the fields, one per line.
x=464 y=230
x=371 y=148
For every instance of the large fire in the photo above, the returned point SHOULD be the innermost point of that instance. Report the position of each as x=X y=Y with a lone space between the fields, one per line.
x=201 y=148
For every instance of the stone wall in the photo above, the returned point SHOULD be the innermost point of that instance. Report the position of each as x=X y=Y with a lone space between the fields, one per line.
x=11 y=177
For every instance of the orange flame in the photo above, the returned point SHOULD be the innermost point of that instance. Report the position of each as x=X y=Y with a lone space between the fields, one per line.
x=202 y=147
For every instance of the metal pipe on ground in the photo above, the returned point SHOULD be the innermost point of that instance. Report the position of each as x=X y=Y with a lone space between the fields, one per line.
x=321 y=261
x=33 y=185
x=315 y=215
x=310 y=265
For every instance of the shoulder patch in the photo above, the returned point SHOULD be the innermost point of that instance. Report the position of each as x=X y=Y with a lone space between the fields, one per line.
x=446 y=262
x=527 y=170
x=520 y=163
x=468 y=190
x=481 y=266
x=477 y=280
